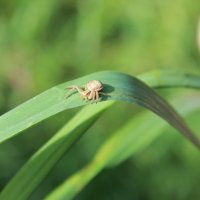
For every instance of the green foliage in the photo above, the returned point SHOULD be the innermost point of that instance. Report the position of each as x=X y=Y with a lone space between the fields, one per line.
x=119 y=87
x=129 y=140
x=47 y=42
x=41 y=163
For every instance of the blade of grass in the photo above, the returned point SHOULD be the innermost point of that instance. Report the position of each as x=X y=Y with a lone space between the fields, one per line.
x=27 y=179
x=119 y=86
x=136 y=137
x=170 y=78
x=133 y=137
x=40 y=161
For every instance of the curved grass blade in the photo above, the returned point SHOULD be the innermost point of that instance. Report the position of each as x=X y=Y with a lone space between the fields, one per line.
x=130 y=139
x=119 y=86
x=170 y=78
x=36 y=163
x=136 y=137
x=34 y=171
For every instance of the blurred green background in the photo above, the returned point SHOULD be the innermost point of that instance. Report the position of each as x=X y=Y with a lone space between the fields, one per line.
x=46 y=42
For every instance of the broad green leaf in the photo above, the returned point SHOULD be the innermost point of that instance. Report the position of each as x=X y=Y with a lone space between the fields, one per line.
x=41 y=163
x=119 y=86
x=133 y=137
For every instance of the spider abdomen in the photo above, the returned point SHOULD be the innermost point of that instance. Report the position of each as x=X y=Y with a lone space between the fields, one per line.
x=94 y=85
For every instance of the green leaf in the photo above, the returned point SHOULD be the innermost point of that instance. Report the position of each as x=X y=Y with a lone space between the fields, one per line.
x=170 y=78
x=119 y=86
x=132 y=138
x=27 y=179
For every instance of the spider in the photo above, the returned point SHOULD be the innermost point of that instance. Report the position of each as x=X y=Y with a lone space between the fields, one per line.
x=90 y=91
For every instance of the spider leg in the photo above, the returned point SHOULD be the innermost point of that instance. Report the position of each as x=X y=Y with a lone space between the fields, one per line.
x=90 y=95
x=97 y=96
x=79 y=89
x=104 y=94
x=72 y=89
x=70 y=92
x=85 y=95
x=93 y=96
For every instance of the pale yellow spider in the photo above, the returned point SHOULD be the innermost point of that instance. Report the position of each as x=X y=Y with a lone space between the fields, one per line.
x=90 y=91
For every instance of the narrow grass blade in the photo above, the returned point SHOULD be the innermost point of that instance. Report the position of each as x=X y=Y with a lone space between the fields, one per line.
x=170 y=78
x=133 y=137
x=47 y=151
x=127 y=141
x=34 y=171
x=74 y=184
x=119 y=86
